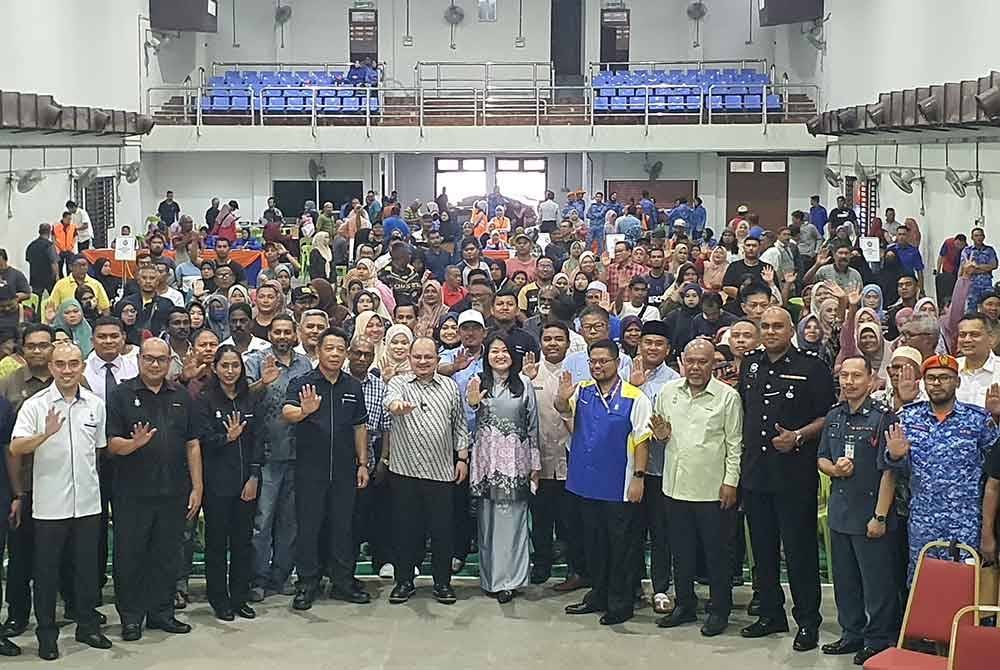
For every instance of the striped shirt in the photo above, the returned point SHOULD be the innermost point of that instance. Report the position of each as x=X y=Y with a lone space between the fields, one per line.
x=423 y=442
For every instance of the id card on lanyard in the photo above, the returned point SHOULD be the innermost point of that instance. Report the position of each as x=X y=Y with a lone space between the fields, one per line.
x=613 y=400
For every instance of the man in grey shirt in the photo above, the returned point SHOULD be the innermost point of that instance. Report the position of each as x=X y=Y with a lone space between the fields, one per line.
x=429 y=454
x=839 y=271
x=808 y=238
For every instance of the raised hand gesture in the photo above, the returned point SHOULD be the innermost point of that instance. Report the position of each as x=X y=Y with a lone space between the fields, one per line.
x=234 y=426
x=142 y=434
x=790 y=277
x=308 y=400
x=529 y=366
x=767 y=274
x=854 y=297
x=269 y=371
x=907 y=387
x=473 y=393
x=785 y=440
x=462 y=360
x=896 y=442
x=566 y=387
x=53 y=422
x=823 y=257
x=192 y=369
x=661 y=428
x=993 y=400
x=835 y=290
x=639 y=374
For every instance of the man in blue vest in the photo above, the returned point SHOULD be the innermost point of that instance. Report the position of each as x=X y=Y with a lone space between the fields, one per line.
x=607 y=466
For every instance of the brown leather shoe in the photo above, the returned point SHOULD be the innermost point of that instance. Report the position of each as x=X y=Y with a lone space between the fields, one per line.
x=572 y=583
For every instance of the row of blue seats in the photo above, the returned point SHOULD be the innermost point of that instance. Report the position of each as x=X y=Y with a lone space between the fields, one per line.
x=641 y=77
x=292 y=104
x=680 y=103
x=712 y=89
x=319 y=78
x=298 y=92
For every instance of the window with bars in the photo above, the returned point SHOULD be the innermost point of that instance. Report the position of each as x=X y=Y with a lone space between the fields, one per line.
x=99 y=200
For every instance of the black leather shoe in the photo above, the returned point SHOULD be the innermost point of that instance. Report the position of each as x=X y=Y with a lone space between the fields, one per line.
x=48 y=651
x=170 y=625
x=8 y=648
x=131 y=632
x=224 y=614
x=864 y=654
x=14 y=627
x=680 y=615
x=806 y=639
x=505 y=597
x=303 y=598
x=540 y=576
x=358 y=597
x=581 y=608
x=842 y=646
x=244 y=611
x=402 y=592
x=716 y=624
x=95 y=640
x=444 y=594
x=765 y=626
x=753 y=607
x=181 y=600
x=571 y=583
x=609 y=619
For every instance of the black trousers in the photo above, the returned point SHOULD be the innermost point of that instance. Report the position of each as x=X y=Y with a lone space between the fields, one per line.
x=54 y=538
x=373 y=522
x=864 y=586
x=694 y=524
x=609 y=539
x=654 y=521
x=464 y=520
x=65 y=262
x=228 y=529
x=944 y=283
x=576 y=543
x=419 y=504
x=21 y=566
x=549 y=517
x=319 y=502
x=785 y=519
x=107 y=477
x=147 y=533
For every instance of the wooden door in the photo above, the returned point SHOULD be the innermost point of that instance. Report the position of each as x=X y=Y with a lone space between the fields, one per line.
x=761 y=184
x=664 y=191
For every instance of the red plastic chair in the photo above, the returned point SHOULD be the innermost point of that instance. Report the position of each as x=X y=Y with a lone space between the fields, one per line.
x=941 y=588
x=974 y=647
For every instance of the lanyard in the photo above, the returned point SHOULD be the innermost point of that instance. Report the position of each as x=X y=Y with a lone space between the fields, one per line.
x=614 y=392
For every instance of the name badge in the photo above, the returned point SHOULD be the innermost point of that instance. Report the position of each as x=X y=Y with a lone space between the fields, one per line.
x=137 y=403
x=849 y=450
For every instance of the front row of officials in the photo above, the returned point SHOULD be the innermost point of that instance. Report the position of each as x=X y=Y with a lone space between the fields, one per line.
x=173 y=456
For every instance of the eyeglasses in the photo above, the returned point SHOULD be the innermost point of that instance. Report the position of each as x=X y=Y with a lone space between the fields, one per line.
x=42 y=346
x=155 y=360
x=934 y=380
x=602 y=361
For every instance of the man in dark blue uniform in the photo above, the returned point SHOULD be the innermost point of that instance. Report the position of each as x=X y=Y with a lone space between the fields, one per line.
x=861 y=516
x=786 y=395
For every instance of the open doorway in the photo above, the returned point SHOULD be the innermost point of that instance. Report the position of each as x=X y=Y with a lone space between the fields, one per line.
x=567 y=41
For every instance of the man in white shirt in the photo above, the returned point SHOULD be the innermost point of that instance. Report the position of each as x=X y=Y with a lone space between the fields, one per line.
x=978 y=366
x=780 y=255
x=240 y=316
x=84 y=231
x=311 y=326
x=63 y=427
x=548 y=213
x=164 y=275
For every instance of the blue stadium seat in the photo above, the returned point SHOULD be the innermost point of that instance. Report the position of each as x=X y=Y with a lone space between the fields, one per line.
x=601 y=103
x=240 y=103
x=216 y=81
x=711 y=74
x=730 y=72
x=752 y=103
x=345 y=92
x=774 y=103
x=274 y=104
x=675 y=103
x=322 y=79
x=251 y=77
x=737 y=90
x=657 y=103
x=637 y=103
x=351 y=104
x=327 y=93
x=286 y=77
x=269 y=77
x=220 y=104
x=297 y=104
x=619 y=103
x=373 y=103
x=715 y=103
x=606 y=92
x=206 y=103
x=304 y=75
x=755 y=89
x=329 y=105
x=233 y=77
x=693 y=103
x=748 y=72
x=733 y=103
x=626 y=92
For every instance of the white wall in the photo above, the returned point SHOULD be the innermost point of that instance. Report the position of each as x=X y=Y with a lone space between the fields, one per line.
x=317 y=33
x=887 y=45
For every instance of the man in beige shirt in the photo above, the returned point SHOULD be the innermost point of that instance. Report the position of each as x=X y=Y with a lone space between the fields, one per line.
x=700 y=477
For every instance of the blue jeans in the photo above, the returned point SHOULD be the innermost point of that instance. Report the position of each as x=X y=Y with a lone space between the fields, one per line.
x=275 y=526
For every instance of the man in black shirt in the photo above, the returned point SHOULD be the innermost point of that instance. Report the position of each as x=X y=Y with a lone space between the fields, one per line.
x=751 y=265
x=153 y=308
x=504 y=320
x=327 y=406
x=168 y=211
x=222 y=247
x=212 y=213
x=153 y=434
x=786 y=395
x=43 y=261
x=840 y=215
x=657 y=277
x=400 y=275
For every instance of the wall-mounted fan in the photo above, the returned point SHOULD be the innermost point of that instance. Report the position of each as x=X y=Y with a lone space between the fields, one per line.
x=833 y=177
x=130 y=172
x=453 y=16
x=861 y=172
x=653 y=170
x=316 y=169
x=960 y=181
x=282 y=15
x=25 y=180
x=696 y=11
x=905 y=179
x=85 y=178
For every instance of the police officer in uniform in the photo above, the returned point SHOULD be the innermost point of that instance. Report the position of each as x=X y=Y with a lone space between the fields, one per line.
x=786 y=395
x=862 y=519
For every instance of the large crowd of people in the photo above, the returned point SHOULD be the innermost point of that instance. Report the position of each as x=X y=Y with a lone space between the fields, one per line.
x=584 y=383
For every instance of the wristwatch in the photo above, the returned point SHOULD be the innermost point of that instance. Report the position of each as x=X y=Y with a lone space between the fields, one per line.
x=798 y=438
x=639 y=474
x=880 y=518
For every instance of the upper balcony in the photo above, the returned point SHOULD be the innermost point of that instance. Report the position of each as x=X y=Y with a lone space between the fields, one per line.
x=473 y=106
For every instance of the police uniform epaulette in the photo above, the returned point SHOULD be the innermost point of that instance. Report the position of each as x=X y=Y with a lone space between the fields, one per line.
x=881 y=406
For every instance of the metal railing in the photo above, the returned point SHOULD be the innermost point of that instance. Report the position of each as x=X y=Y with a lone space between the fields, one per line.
x=440 y=78
x=538 y=106
x=760 y=65
x=221 y=67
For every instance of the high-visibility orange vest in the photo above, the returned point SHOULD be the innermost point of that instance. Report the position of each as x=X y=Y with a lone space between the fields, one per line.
x=65 y=236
